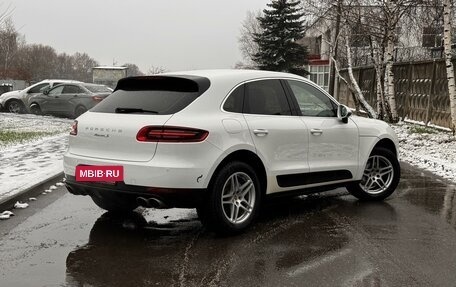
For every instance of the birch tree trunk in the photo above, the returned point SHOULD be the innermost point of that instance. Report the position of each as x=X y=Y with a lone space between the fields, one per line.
x=447 y=33
x=389 y=75
x=358 y=92
x=377 y=59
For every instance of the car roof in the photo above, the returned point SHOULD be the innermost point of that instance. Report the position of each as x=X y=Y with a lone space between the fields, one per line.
x=58 y=80
x=235 y=74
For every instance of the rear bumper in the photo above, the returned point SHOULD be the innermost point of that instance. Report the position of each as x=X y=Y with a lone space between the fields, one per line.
x=172 y=197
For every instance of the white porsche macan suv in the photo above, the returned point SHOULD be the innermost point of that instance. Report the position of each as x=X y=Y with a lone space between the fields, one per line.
x=224 y=140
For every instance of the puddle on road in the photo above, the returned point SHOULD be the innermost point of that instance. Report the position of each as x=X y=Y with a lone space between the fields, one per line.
x=323 y=240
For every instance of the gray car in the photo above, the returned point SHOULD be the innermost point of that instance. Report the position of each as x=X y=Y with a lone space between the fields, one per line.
x=68 y=99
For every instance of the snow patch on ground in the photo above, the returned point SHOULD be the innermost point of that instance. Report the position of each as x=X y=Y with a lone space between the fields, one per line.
x=435 y=152
x=24 y=165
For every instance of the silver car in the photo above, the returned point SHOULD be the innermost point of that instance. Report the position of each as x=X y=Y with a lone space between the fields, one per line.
x=68 y=99
x=15 y=101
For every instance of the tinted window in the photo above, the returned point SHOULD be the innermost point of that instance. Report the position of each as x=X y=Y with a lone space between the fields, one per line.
x=266 y=97
x=56 y=91
x=70 y=89
x=311 y=101
x=37 y=88
x=157 y=94
x=235 y=100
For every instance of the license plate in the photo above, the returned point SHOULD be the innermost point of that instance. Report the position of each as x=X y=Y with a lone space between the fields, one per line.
x=100 y=173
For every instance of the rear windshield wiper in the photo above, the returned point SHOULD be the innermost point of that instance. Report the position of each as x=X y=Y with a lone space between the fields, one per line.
x=133 y=110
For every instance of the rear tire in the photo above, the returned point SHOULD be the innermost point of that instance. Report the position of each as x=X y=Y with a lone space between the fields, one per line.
x=79 y=111
x=36 y=110
x=114 y=204
x=233 y=201
x=381 y=176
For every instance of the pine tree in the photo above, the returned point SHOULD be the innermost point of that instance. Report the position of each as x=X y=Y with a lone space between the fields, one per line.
x=278 y=48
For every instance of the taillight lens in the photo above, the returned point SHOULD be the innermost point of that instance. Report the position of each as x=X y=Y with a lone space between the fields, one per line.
x=74 y=128
x=171 y=134
x=97 y=98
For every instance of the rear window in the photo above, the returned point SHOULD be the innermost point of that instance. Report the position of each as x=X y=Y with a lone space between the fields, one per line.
x=161 y=95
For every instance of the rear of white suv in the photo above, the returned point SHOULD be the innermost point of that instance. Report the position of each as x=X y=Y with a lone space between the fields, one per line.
x=222 y=140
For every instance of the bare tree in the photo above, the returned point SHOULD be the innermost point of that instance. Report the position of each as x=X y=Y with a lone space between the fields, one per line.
x=8 y=42
x=133 y=70
x=247 y=45
x=82 y=65
x=156 y=70
x=359 y=94
x=447 y=39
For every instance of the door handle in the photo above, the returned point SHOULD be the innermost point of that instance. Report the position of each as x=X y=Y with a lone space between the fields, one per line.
x=316 y=132
x=260 y=132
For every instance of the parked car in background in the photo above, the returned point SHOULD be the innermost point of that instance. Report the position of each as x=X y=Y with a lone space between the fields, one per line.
x=223 y=140
x=69 y=99
x=4 y=88
x=16 y=101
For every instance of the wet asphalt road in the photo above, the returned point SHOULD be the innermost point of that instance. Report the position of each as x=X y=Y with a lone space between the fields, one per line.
x=320 y=240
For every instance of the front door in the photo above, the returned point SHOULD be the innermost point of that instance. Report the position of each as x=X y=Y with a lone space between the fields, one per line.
x=333 y=145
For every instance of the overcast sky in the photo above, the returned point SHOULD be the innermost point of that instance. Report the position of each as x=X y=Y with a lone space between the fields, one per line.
x=176 y=35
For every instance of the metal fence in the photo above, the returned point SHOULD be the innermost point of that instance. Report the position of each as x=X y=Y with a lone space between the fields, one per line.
x=421 y=90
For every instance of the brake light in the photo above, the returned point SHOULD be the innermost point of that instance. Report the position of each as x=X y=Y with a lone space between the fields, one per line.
x=171 y=134
x=97 y=98
x=74 y=128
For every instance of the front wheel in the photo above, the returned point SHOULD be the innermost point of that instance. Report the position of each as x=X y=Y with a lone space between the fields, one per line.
x=15 y=106
x=233 y=201
x=380 y=178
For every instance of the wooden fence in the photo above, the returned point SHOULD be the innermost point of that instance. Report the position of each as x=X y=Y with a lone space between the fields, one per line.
x=421 y=90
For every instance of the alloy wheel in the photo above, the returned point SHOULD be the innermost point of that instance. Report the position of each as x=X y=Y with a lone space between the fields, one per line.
x=378 y=175
x=238 y=197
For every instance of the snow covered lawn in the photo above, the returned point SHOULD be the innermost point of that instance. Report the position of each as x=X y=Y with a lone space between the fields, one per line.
x=428 y=148
x=27 y=160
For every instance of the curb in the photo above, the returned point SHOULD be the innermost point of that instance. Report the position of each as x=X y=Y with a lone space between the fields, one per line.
x=34 y=190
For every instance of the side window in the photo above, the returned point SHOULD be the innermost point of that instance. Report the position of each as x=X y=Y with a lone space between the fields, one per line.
x=311 y=101
x=56 y=91
x=70 y=89
x=235 y=100
x=37 y=88
x=266 y=97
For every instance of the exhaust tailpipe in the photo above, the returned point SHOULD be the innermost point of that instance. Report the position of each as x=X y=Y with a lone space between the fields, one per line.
x=150 y=202
x=156 y=203
x=142 y=202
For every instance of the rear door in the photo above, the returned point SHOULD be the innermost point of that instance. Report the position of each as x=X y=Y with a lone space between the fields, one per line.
x=333 y=145
x=280 y=137
x=69 y=99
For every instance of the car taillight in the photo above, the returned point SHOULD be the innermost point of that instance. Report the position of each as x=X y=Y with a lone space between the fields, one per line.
x=171 y=134
x=74 y=128
x=97 y=98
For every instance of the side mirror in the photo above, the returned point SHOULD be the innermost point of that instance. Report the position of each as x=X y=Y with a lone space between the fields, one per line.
x=343 y=112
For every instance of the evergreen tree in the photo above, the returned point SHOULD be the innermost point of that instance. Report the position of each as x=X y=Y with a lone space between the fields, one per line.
x=278 y=48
